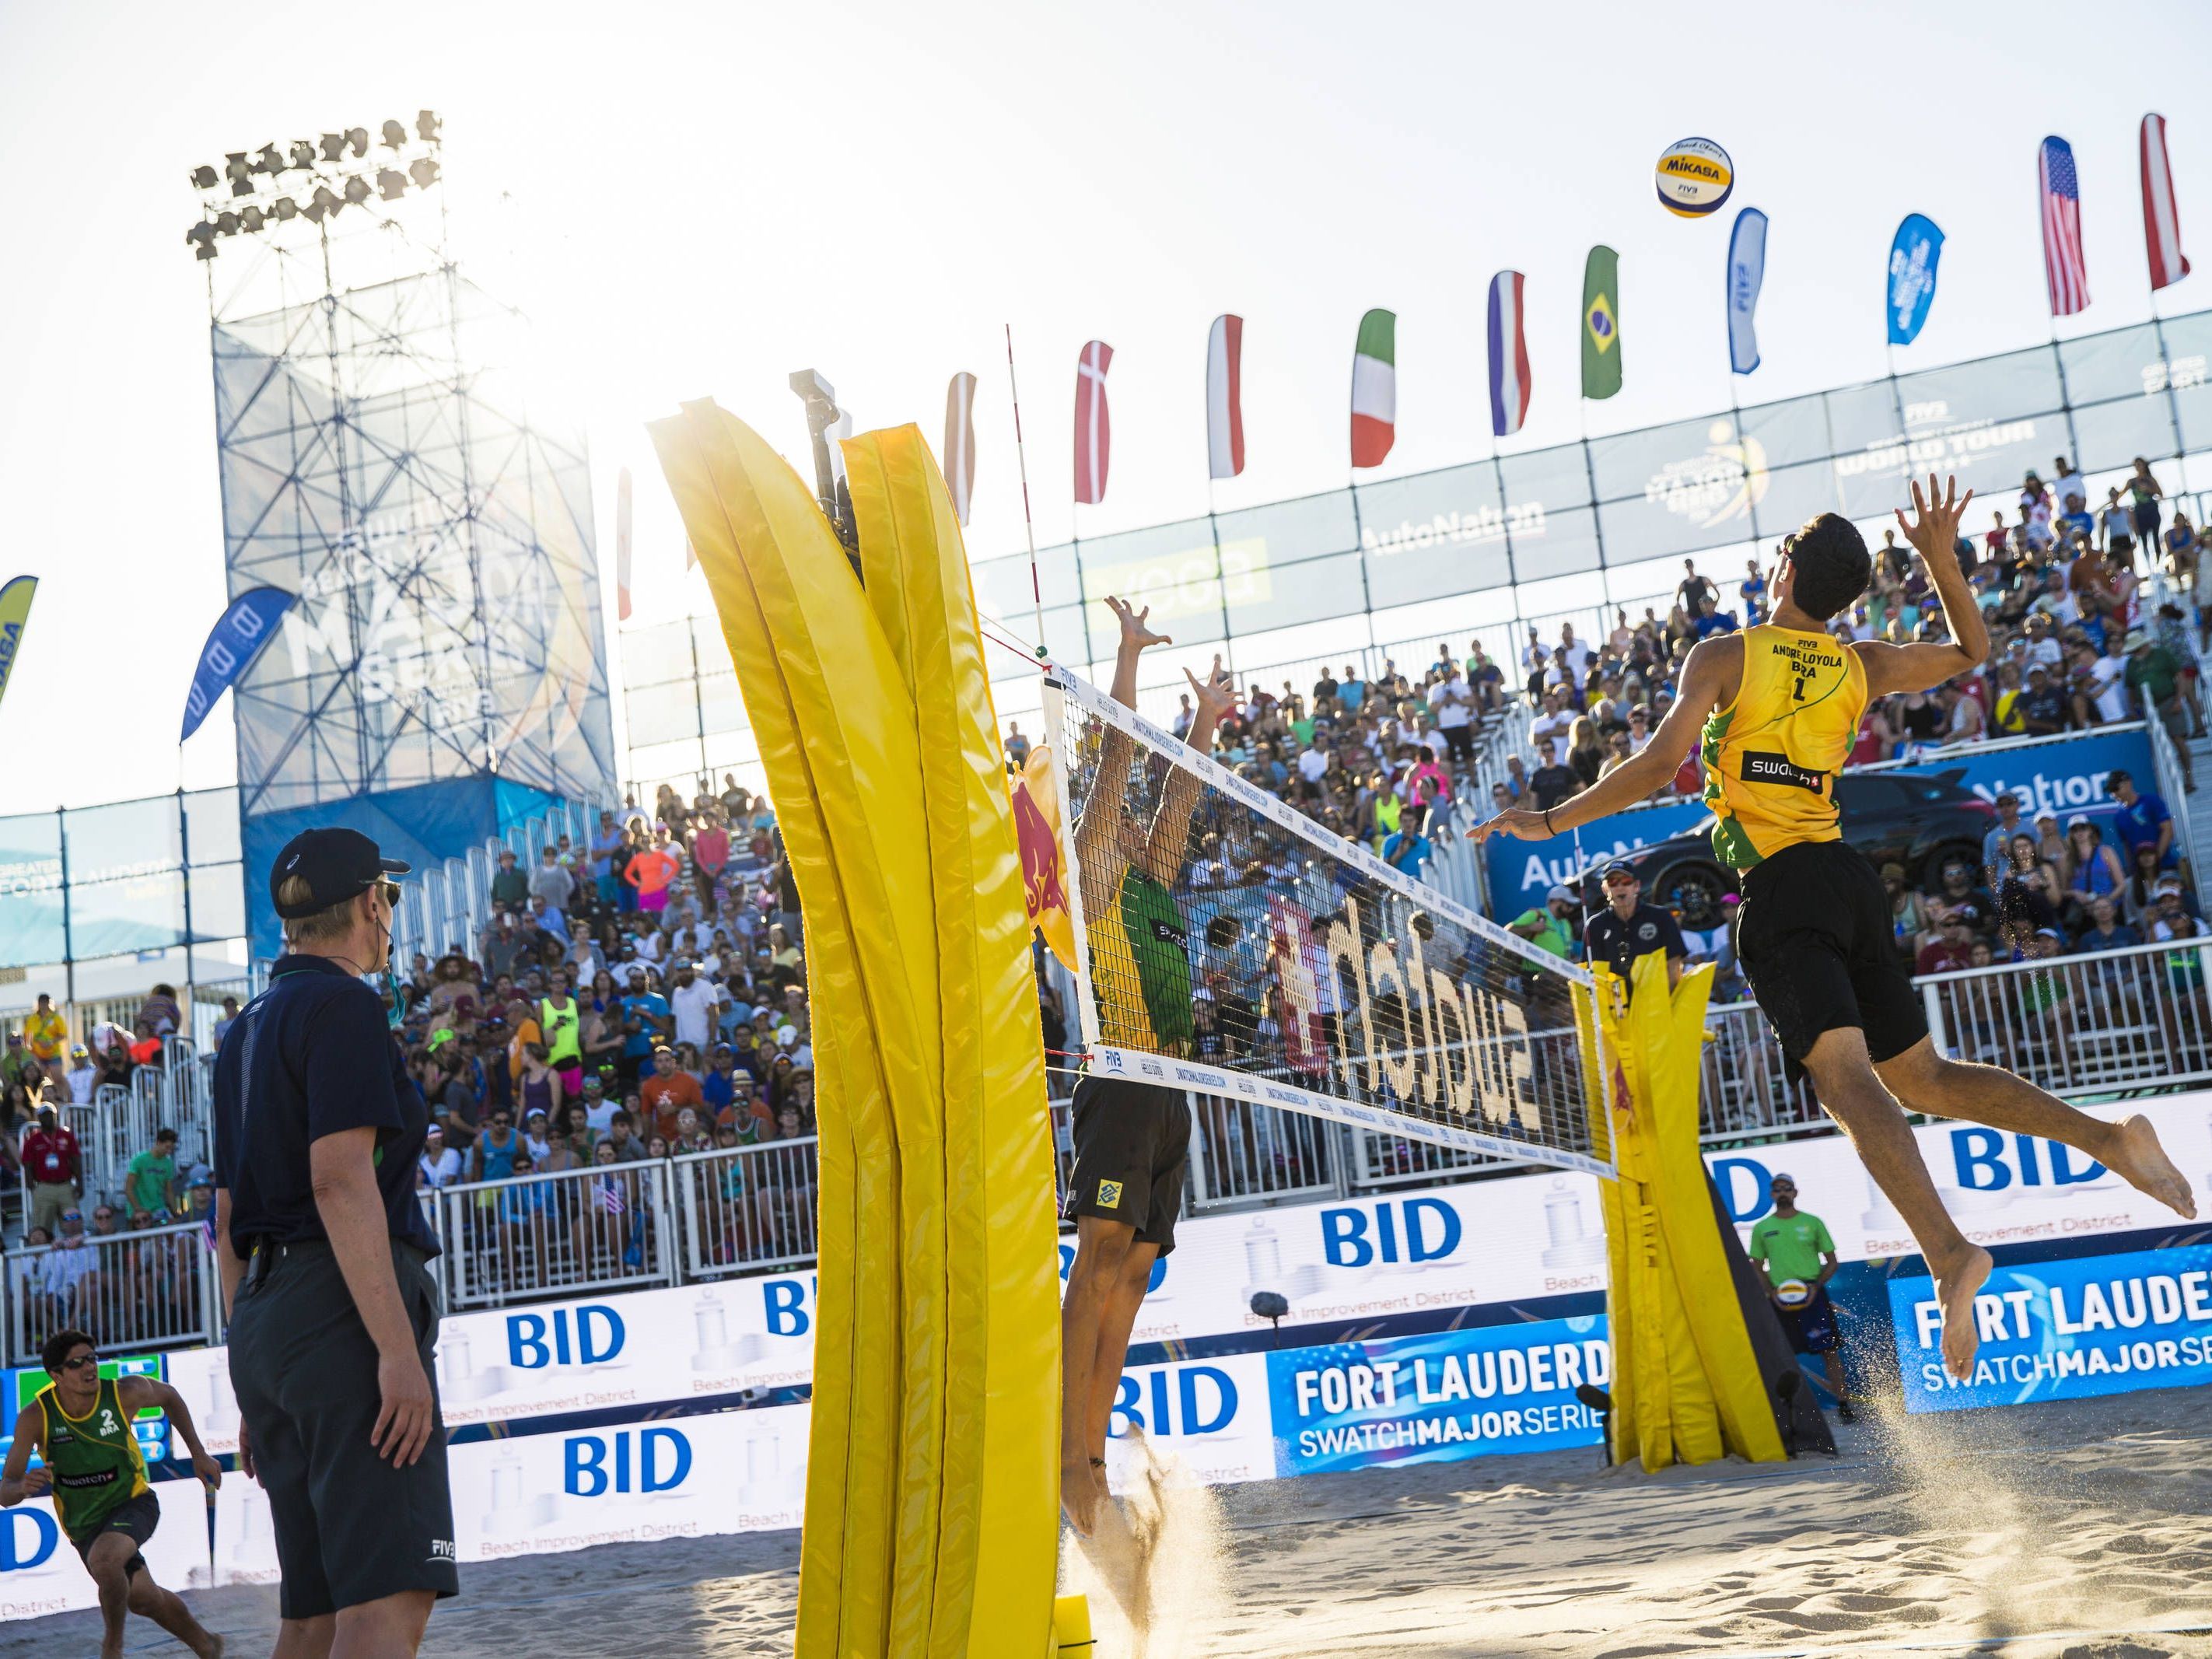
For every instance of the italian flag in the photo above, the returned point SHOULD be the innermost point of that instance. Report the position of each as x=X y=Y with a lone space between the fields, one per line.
x=1374 y=388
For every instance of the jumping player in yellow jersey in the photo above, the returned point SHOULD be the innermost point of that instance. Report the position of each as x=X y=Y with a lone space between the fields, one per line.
x=89 y=1461
x=1131 y=1139
x=1779 y=705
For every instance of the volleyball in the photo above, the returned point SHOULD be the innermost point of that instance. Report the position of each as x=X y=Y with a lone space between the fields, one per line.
x=1695 y=178
x=1793 y=1292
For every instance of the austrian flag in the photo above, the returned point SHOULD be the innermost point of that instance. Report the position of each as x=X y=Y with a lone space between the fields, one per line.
x=1225 y=398
x=1093 y=437
x=1375 y=389
x=1508 y=356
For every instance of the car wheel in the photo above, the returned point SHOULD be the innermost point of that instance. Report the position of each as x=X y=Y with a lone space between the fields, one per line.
x=1692 y=892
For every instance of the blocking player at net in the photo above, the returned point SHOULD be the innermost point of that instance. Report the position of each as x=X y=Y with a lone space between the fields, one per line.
x=1131 y=1139
x=1779 y=705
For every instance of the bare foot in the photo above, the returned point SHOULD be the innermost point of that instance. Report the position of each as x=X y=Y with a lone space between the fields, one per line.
x=1954 y=1293
x=1079 y=1490
x=2140 y=1161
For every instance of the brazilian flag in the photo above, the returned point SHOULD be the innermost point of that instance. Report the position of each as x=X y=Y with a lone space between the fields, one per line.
x=1601 y=322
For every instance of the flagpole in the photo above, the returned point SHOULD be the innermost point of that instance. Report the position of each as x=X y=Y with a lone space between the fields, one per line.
x=1597 y=522
x=1366 y=589
x=1220 y=574
x=1022 y=462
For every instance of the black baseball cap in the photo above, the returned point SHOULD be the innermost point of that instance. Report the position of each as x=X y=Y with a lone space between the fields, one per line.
x=337 y=865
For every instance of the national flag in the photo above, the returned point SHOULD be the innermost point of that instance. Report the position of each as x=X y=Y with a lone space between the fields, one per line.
x=1509 y=356
x=1747 y=272
x=2161 y=222
x=610 y=1198
x=1225 y=398
x=960 y=443
x=1600 y=323
x=2068 y=277
x=1093 y=434
x=621 y=545
x=1374 y=388
x=14 y=617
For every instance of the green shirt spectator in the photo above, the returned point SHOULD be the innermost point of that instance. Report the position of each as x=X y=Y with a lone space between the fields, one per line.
x=151 y=1184
x=1791 y=1246
x=1552 y=927
x=2154 y=669
x=510 y=888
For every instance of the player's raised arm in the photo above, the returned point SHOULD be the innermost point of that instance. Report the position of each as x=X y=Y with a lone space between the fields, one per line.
x=1710 y=677
x=1167 y=845
x=1106 y=835
x=1934 y=532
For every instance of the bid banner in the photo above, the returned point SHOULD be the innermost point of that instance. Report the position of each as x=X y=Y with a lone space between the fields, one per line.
x=1436 y=1398
x=2064 y=1330
x=2061 y=776
x=642 y=1348
x=1405 y=1252
x=40 y=1573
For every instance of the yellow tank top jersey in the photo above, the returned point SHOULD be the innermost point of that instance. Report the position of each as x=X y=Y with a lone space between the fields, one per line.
x=1771 y=757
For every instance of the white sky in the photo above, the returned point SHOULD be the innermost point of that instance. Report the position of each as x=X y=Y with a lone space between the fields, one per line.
x=711 y=196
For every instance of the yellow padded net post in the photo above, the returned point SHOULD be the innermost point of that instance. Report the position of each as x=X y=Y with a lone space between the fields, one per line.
x=1686 y=1384
x=929 y=1520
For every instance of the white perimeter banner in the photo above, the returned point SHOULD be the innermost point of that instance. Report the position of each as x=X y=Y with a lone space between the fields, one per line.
x=40 y=1573
x=736 y=1470
x=1503 y=1240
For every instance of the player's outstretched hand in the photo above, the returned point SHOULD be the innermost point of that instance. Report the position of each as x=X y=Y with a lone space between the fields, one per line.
x=1516 y=821
x=1133 y=631
x=1935 y=526
x=1216 y=695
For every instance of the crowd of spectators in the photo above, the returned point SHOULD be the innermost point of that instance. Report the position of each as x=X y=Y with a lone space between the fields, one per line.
x=639 y=998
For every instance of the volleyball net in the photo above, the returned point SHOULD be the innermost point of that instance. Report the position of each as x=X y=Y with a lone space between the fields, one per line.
x=1222 y=942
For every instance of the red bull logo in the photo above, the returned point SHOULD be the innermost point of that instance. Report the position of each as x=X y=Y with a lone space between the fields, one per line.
x=1044 y=859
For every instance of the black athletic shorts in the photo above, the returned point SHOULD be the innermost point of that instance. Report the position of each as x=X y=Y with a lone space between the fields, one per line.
x=1817 y=942
x=1811 y=1329
x=135 y=1518
x=351 y=1528
x=1132 y=1149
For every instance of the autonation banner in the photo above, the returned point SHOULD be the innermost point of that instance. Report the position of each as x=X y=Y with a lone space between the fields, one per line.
x=2061 y=776
x=2061 y=1330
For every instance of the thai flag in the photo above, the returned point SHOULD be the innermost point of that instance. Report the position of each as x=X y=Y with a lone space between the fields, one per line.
x=1093 y=434
x=2161 y=222
x=2062 y=266
x=1509 y=356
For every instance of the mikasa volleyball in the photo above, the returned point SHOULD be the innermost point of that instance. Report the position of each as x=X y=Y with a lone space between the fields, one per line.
x=1695 y=177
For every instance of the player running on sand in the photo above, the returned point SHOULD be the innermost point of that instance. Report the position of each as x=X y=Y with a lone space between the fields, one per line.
x=1780 y=705
x=1132 y=1139
x=80 y=1426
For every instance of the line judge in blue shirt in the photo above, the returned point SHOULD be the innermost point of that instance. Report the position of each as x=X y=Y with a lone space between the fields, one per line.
x=324 y=1251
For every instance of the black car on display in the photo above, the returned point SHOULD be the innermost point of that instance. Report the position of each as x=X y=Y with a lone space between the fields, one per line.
x=1912 y=819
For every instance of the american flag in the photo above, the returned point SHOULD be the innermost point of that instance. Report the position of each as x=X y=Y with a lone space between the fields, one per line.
x=2062 y=267
x=610 y=1198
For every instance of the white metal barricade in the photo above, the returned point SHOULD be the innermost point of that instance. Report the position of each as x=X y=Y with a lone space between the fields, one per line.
x=152 y=1288
x=601 y=1227
x=745 y=1209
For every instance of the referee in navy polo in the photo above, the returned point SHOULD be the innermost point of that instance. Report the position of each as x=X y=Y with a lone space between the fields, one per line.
x=333 y=1312
x=1628 y=928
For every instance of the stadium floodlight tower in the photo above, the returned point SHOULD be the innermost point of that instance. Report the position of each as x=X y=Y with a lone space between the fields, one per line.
x=387 y=456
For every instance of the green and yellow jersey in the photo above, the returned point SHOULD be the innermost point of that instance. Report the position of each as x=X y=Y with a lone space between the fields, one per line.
x=95 y=1460
x=1140 y=969
x=1771 y=756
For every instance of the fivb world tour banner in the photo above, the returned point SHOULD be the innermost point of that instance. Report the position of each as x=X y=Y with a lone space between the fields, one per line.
x=2063 y=775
